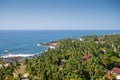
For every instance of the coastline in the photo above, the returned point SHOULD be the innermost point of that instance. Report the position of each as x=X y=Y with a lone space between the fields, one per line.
x=71 y=51
x=20 y=57
x=51 y=43
x=13 y=59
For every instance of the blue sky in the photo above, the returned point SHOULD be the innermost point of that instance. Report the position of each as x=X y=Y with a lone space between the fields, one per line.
x=59 y=14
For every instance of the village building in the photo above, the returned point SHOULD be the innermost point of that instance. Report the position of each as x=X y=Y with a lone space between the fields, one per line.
x=114 y=73
x=85 y=57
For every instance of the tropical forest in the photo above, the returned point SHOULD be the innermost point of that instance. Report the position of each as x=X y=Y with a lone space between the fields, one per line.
x=84 y=58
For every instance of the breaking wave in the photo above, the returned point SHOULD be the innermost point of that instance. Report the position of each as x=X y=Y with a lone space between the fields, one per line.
x=17 y=55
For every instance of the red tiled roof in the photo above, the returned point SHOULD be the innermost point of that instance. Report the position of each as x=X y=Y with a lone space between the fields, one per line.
x=110 y=73
x=116 y=70
x=85 y=57
x=108 y=76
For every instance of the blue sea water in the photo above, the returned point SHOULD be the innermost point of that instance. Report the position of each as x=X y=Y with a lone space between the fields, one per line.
x=25 y=41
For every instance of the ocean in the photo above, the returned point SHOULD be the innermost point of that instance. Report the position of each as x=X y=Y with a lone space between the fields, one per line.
x=24 y=42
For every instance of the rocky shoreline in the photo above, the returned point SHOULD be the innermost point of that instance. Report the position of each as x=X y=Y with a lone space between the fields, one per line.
x=51 y=45
x=14 y=59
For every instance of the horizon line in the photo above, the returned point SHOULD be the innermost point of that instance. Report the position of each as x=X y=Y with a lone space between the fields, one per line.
x=50 y=29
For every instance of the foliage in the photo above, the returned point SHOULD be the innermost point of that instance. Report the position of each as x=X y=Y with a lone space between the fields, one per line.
x=73 y=59
x=65 y=62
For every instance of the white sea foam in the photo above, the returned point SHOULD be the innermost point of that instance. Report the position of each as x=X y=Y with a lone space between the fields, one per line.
x=17 y=55
x=38 y=45
x=52 y=47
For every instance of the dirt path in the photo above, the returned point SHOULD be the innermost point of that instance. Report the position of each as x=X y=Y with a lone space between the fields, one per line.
x=20 y=71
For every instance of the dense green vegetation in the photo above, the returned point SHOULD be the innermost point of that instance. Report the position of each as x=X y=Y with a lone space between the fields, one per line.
x=73 y=59
x=66 y=61
x=6 y=71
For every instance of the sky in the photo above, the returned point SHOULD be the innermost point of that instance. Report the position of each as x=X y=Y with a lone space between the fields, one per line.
x=59 y=14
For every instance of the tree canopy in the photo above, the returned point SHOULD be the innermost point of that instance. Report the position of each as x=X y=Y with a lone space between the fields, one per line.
x=74 y=59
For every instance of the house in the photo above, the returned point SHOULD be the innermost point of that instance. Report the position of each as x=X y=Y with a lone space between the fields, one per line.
x=115 y=72
x=85 y=57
